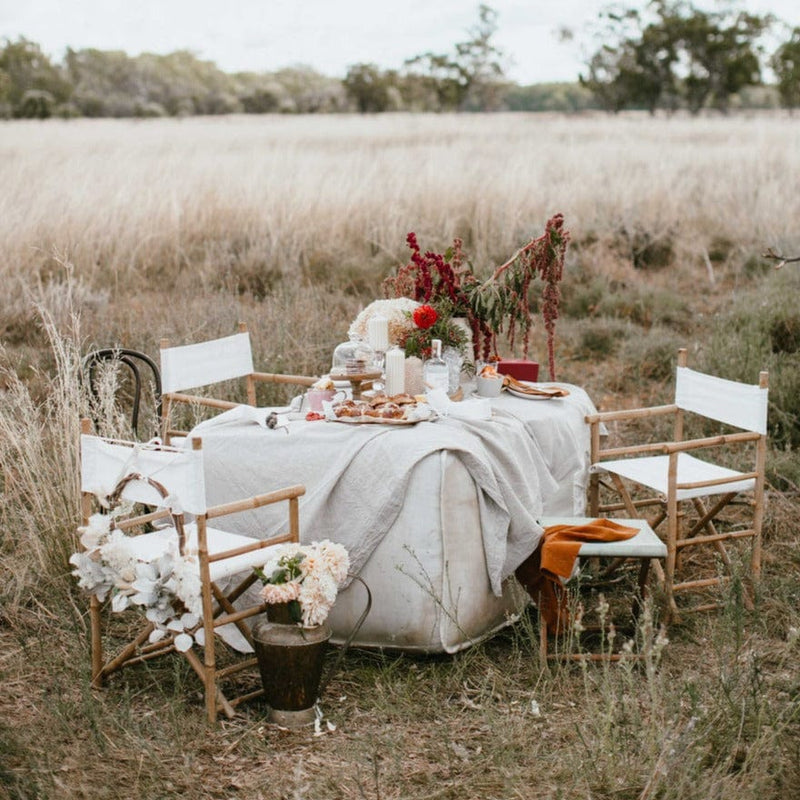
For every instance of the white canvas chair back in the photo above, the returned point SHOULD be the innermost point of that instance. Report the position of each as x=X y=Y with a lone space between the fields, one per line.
x=192 y=365
x=105 y=463
x=739 y=404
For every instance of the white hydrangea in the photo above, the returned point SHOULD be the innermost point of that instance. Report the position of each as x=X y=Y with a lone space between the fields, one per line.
x=395 y=310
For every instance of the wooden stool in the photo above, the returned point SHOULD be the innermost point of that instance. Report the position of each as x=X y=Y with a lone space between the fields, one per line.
x=644 y=546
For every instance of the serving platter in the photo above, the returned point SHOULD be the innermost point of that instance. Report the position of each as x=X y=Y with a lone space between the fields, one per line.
x=366 y=420
x=532 y=391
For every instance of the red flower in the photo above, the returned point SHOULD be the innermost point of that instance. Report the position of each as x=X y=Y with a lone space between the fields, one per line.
x=425 y=316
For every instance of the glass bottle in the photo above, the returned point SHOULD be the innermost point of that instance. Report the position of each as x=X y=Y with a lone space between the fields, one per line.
x=435 y=371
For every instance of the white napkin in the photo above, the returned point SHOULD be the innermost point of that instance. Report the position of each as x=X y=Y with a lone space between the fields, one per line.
x=473 y=408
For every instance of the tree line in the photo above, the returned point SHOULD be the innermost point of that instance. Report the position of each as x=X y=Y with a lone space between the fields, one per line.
x=675 y=55
x=670 y=55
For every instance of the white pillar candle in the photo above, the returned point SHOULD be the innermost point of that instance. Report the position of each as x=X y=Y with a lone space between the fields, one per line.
x=395 y=371
x=378 y=334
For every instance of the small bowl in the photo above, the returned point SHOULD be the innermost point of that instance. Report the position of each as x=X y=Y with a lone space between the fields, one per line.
x=489 y=387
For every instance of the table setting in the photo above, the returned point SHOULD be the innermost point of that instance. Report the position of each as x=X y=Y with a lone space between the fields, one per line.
x=422 y=453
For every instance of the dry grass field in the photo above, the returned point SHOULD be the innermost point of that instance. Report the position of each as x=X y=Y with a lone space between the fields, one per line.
x=122 y=232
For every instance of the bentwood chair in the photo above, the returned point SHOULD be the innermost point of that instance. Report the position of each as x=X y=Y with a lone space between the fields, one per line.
x=207 y=363
x=140 y=380
x=180 y=578
x=714 y=503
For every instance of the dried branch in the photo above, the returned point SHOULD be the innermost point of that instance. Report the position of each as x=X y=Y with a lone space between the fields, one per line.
x=772 y=255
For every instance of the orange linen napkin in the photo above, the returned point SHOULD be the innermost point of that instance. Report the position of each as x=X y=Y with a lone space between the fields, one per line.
x=555 y=558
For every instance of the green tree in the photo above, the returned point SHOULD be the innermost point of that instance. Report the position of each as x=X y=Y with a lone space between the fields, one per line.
x=785 y=63
x=721 y=55
x=472 y=77
x=33 y=86
x=369 y=87
x=674 y=52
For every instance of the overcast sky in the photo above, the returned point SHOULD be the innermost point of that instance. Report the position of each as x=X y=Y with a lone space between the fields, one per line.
x=329 y=35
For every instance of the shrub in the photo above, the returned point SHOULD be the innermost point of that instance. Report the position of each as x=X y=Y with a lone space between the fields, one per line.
x=761 y=331
x=598 y=338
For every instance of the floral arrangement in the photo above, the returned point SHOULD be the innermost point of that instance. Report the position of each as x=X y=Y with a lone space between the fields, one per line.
x=307 y=577
x=397 y=311
x=500 y=304
x=167 y=590
x=432 y=322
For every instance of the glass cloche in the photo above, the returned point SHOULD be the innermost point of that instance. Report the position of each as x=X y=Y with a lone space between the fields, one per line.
x=353 y=357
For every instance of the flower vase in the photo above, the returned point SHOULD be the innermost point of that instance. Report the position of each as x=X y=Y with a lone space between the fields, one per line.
x=290 y=659
x=463 y=323
x=454 y=360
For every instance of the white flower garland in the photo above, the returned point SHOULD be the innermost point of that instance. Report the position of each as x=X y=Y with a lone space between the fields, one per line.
x=167 y=589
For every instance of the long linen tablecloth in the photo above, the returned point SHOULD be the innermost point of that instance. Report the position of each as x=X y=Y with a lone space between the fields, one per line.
x=435 y=516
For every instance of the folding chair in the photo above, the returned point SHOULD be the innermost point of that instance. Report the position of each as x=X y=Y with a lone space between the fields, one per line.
x=211 y=567
x=696 y=498
x=202 y=364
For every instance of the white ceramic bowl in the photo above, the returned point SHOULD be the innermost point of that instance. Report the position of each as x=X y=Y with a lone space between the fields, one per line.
x=489 y=387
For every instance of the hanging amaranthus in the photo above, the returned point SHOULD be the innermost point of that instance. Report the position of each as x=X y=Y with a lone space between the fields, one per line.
x=505 y=296
x=498 y=305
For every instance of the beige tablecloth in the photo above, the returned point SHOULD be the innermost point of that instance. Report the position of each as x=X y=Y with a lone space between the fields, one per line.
x=436 y=516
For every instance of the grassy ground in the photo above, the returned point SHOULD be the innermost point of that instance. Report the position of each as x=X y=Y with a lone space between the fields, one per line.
x=120 y=232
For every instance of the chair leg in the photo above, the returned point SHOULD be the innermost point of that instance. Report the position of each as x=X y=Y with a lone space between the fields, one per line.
x=542 y=642
x=97 y=641
x=624 y=494
x=218 y=699
x=673 y=614
x=594 y=494
x=638 y=600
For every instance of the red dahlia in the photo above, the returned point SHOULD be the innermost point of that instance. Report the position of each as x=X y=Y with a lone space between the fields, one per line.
x=425 y=316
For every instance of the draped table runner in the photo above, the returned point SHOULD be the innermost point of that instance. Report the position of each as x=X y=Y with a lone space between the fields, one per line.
x=436 y=516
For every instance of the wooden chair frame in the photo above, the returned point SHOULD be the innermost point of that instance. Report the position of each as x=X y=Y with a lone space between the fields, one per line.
x=218 y=606
x=251 y=379
x=701 y=531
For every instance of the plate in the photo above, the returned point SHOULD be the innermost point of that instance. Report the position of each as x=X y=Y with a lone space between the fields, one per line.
x=525 y=396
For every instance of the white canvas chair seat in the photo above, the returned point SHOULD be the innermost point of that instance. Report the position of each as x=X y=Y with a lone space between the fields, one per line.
x=160 y=484
x=149 y=547
x=196 y=366
x=653 y=472
x=644 y=547
x=645 y=544
x=667 y=475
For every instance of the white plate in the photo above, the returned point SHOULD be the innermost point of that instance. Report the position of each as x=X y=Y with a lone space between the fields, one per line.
x=524 y=396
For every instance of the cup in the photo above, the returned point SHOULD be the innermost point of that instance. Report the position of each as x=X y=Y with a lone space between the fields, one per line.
x=316 y=397
x=489 y=386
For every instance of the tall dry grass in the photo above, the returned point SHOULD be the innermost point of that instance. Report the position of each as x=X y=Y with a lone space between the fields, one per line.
x=157 y=199
x=127 y=232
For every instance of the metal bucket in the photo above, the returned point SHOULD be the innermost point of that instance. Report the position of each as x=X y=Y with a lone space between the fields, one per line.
x=290 y=659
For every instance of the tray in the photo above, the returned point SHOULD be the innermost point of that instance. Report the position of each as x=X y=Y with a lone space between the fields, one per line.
x=364 y=420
